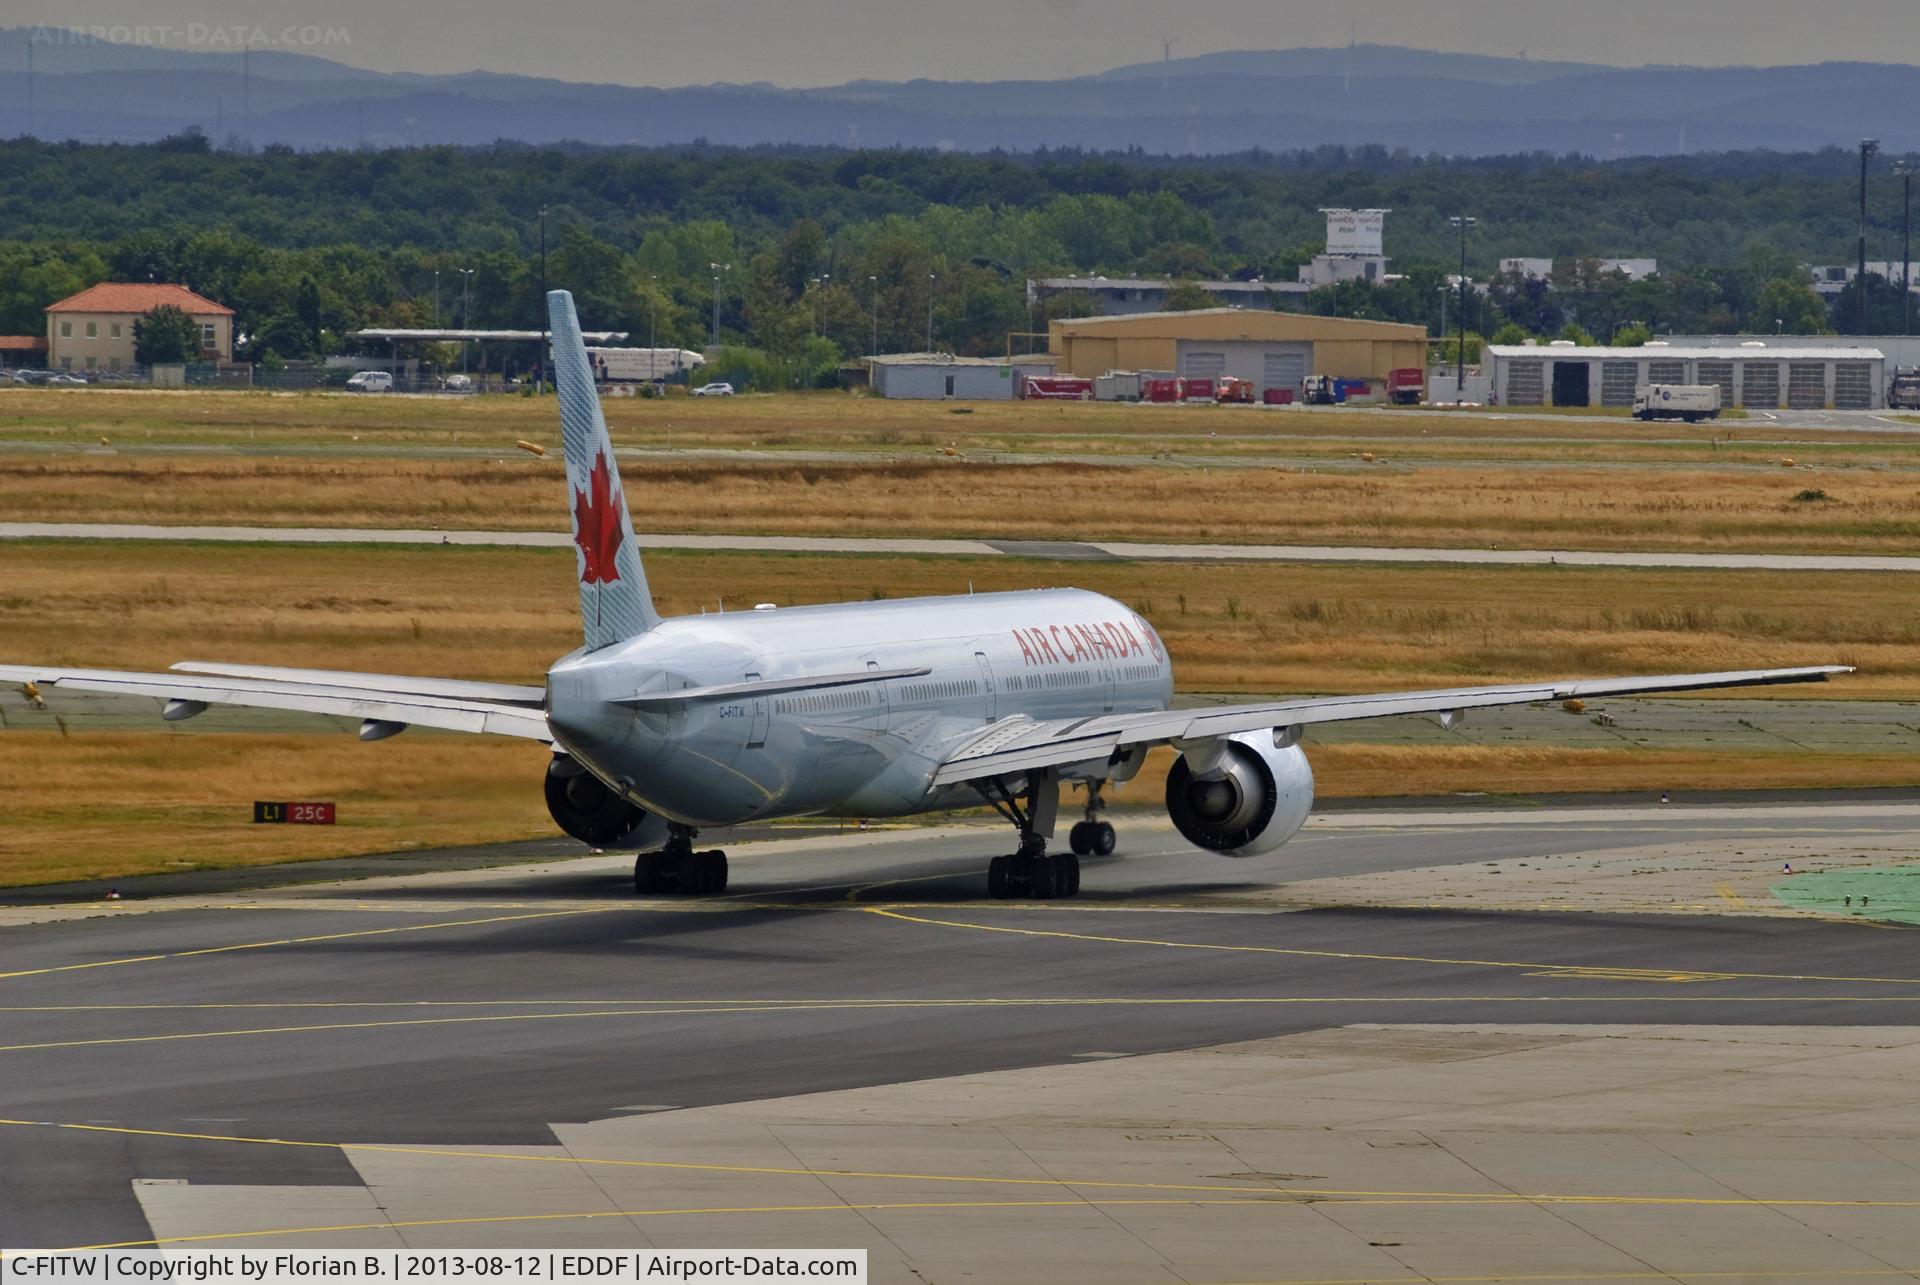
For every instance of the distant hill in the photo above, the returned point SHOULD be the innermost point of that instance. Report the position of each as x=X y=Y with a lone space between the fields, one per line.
x=1279 y=100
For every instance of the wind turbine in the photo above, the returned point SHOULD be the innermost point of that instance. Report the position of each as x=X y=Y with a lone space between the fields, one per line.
x=1166 y=57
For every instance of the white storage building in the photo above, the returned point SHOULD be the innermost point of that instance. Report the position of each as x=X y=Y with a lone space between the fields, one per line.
x=939 y=376
x=1760 y=376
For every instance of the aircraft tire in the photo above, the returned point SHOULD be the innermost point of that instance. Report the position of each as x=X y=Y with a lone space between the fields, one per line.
x=650 y=870
x=1080 y=838
x=999 y=886
x=1066 y=873
x=702 y=874
x=1103 y=839
x=1043 y=883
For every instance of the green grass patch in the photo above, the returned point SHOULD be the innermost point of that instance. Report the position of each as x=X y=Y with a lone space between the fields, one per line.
x=1892 y=894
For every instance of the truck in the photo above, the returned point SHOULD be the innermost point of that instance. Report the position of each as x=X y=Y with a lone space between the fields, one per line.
x=1406 y=386
x=1905 y=391
x=1117 y=386
x=1319 y=390
x=1690 y=402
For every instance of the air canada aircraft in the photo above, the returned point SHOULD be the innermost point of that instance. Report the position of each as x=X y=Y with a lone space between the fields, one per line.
x=662 y=727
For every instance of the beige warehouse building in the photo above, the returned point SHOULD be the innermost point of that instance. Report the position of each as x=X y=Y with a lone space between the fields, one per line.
x=1267 y=349
x=93 y=330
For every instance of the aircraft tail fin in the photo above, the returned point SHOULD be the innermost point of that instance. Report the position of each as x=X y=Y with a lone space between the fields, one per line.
x=615 y=603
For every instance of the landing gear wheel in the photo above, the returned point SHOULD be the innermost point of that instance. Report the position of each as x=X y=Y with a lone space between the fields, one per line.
x=1066 y=876
x=1080 y=838
x=1043 y=882
x=702 y=873
x=999 y=878
x=1103 y=839
x=653 y=873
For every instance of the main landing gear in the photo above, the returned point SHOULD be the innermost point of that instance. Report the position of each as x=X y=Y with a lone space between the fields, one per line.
x=678 y=868
x=1031 y=872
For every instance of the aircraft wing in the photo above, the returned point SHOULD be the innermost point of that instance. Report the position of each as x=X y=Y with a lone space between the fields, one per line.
x=386 y=703
x=1025 y=745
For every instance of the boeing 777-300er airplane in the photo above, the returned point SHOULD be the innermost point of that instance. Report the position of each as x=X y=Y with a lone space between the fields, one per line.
x=861 y=709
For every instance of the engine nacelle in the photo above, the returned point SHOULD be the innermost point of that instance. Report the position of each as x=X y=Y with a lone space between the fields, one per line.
x=1252 y=798
x=589 y=810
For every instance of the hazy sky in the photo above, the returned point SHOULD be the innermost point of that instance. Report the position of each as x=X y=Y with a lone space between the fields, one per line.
x=814 y=42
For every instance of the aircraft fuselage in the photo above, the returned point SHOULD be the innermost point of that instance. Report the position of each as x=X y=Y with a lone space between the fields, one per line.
x=865 y=749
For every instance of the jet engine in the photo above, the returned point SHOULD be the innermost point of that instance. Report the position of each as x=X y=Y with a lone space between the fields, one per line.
x=1248 y=794
x=589 y=810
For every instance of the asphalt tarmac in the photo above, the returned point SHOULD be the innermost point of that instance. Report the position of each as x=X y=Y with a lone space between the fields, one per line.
x=155 y=1042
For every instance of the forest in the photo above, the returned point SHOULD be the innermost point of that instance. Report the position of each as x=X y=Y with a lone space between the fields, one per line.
x=809 y=256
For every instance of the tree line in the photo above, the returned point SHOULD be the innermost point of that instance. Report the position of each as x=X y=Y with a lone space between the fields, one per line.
x=808 y=256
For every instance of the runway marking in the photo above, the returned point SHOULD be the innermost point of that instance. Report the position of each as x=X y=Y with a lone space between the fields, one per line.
x=711 y=1009
x=296 y=941
x=1728 y=895
x=1544 y=969
x=1239 y=1195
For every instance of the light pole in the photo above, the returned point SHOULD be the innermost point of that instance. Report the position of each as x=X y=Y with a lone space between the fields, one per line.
x=873 y=286
x=1463 y=222
x=1868 y=147
x=1905 y=170
x=653 y=329
x=813 y=309
x=545 y=338
x=1445 y=290
x=436 y=298
x=718 y=268
x=930 y=282
x=466 y=316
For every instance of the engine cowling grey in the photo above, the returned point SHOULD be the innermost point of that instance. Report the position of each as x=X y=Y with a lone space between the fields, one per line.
x=1255 y=800
x=587 y=809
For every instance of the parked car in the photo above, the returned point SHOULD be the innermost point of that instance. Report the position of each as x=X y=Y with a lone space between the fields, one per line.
x=66 y=377
x=370 y=381
x=458 y=383
x=25 y=376
x=714 y=390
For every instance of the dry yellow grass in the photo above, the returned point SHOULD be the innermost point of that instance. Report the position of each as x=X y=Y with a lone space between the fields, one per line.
x=130 y=418
x=155 y=802
x=506 y=613
x=1454 y=506
x=161 y=802
x=1353 y=771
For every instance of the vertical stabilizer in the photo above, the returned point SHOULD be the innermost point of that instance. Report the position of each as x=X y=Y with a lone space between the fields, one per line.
x=615 y=603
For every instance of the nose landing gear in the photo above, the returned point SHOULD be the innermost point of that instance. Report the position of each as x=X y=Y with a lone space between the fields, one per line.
x=678 y=868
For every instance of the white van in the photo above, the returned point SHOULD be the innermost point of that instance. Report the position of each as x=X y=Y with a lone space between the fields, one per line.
x=371 y=381
x=1691 y=402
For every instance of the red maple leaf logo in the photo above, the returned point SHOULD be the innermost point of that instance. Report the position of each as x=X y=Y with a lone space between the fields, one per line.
x=596 y=524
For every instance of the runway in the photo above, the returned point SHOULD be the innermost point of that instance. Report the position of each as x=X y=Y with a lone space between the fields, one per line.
x=215 y=1064
x=1052 y=550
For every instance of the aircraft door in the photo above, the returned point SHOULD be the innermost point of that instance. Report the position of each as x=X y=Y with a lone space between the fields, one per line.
x=757 y=724
x=990 y=696
x=880 y=718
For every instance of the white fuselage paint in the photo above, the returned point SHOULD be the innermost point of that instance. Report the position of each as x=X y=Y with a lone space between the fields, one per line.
x=868 y=749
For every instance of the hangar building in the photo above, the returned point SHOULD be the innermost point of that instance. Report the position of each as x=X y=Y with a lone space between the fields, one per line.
x=1758 y=375
x=1267 y=349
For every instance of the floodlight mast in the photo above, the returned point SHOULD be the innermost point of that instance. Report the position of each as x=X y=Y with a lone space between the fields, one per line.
x=1463 y=222
x=1869 y=147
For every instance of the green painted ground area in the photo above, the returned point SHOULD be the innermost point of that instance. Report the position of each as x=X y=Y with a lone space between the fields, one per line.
x=1892 y=894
